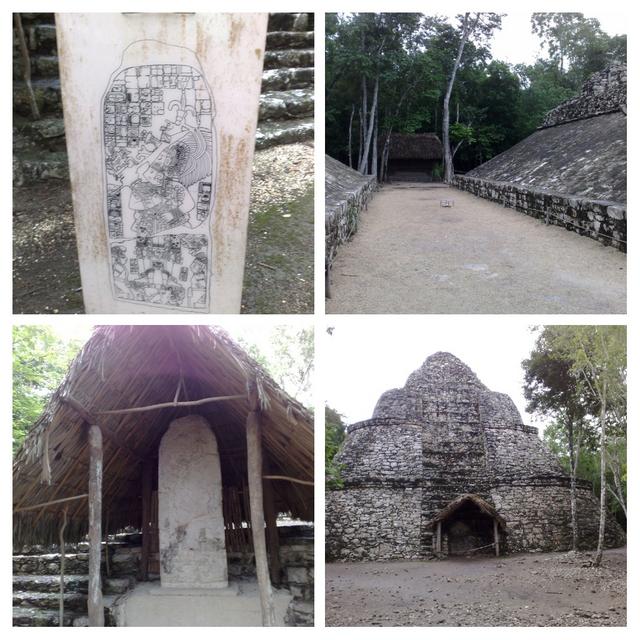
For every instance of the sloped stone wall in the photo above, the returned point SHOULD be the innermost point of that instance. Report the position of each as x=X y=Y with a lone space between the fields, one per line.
x=603 y=92
x=601 y=220
x=347 y=192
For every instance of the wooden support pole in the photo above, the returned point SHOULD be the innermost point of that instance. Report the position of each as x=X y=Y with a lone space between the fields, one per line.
x=147 y=480
x=496 y=537
x=94 y=601
x=256 y=506
x=439 y=536
x=273 y=539
x=62 y=557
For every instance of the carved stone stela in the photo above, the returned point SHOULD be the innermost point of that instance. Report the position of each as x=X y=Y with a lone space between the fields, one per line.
x=192 y=543
x=160 y=167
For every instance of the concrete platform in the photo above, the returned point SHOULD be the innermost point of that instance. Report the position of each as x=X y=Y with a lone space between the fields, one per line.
x=149 y=605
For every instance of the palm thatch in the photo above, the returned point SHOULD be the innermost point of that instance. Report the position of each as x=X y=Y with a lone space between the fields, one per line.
x=415 y=146
x=463 y=500
x=137 y=366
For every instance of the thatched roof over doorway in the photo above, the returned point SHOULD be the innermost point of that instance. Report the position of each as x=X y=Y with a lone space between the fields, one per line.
x=458 y=503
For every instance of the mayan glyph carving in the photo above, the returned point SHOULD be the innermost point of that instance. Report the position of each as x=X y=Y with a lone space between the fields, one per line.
x=160 y=167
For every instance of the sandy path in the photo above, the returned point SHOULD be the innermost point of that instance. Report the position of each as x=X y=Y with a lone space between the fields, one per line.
x=410 y=255
x=537 y=589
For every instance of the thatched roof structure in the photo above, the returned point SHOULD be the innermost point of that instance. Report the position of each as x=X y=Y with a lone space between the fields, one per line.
x=461 y=501
x=415 y=146
x=137 y=366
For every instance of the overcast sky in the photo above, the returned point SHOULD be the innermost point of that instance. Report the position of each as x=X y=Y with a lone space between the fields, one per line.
x=515 y=43
x=369 y=356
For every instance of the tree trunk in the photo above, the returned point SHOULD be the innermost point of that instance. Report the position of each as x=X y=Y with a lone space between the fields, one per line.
x=95 y=605
x=374 y=153
x=360 y=138
x=353 y=109
x=26 y=66
x=363 y=122
x=572 y=471
x=603 y=477
x=256 y=504
x=364 y=165
x=446 y=145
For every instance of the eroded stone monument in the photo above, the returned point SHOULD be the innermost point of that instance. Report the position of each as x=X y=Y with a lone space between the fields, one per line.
x=191 y=524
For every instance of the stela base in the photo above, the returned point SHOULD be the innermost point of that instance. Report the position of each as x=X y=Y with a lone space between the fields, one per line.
x=238 y=605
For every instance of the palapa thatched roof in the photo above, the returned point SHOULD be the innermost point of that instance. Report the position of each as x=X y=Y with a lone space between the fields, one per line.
x=415 y=146
x=133 y=366
x=463 y=500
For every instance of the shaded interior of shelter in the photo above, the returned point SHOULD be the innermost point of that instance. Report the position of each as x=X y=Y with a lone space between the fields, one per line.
x=469 y=531
x=414 y=157
x=126 y=367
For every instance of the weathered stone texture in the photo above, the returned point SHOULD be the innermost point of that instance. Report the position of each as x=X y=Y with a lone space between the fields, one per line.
x=347 y=192
x=572 y=171
x=604 y=221
x=443 y=435
x=374 y=524
x=191 y=525
x=603 y=92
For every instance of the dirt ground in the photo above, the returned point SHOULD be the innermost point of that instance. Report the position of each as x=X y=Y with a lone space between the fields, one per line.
x=279 y=261
x=534 y=589
x=410 y=255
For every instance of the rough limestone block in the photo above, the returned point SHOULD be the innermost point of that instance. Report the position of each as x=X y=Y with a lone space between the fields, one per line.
x=192 y=545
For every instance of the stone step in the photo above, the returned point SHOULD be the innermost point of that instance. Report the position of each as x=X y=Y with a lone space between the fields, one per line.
x=49 y=564
x=287 y=58
x=32 y=617
x=47 y=96
x=290 y=22
x=283 y=105
x=284 y=79
x=72 y=584
x=74 y=602
x=41 y=38
x=270 y=134
x=50 y=583
x=289 y=40
x=32 y=166
x=41 y=67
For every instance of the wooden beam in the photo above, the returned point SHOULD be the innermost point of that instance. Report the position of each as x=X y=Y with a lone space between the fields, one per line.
x=166 y=405
x=108 y=433
x=147 y=480
x=95 y=604
x=496 y=537
x=256 y=505
x=309 y=483
x=46 y=504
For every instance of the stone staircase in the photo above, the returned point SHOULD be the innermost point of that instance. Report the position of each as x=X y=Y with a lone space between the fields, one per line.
x=36 y=585
x=286 y=103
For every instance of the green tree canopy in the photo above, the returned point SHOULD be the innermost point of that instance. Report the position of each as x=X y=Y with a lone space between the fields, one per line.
x=40 y=360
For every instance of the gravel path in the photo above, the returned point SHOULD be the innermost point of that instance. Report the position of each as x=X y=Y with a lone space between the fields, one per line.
x=535 y=589
x=411 y=255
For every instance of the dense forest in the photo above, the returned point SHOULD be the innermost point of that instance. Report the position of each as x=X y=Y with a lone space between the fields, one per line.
x=414 y=73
